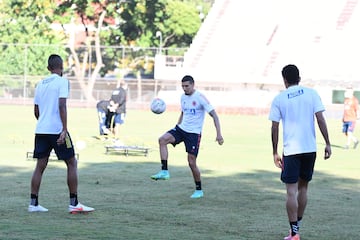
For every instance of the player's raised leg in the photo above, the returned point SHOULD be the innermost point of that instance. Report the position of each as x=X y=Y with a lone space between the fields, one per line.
x=164 y=140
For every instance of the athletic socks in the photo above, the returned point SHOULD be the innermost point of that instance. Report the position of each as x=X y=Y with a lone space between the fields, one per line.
x=198 y=185
x=164 y=165
x=34 y=201
x=299 y=222
x=294 y=228
x=73 y=199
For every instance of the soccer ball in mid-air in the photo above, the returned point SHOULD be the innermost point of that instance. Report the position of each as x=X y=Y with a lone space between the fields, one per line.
x=158 y=106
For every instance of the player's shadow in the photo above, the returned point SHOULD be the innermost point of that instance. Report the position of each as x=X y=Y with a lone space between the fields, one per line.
x=242 y=205
x=337 y=146
x=333 y=145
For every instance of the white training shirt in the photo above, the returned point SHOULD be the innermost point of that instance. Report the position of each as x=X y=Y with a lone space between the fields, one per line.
x=296 y=107
x=194 y=107
x=47 y=94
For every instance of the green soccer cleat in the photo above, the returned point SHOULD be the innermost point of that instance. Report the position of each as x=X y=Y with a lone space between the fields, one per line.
x=197 y=194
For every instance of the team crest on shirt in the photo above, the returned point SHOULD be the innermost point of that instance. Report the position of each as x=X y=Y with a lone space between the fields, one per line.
x=194 y=103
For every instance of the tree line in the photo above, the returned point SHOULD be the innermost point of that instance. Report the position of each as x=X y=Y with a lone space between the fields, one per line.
x=47 y=25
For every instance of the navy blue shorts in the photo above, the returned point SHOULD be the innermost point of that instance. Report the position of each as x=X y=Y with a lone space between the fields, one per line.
x=348 y=127
x=45 y=143
x=298 y=166
x=119 y=118
x=191 y=140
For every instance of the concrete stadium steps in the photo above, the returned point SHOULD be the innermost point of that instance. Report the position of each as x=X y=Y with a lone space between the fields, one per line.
x=346 y=14
x=250 y=41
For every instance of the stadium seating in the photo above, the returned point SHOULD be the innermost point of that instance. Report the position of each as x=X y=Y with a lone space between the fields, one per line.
x=249 y=41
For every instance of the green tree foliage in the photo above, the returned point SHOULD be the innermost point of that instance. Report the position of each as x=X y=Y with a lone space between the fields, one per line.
x=178 y=22
x=99 y=15
x=175 y=21
x=125 y=23
x=26 y=22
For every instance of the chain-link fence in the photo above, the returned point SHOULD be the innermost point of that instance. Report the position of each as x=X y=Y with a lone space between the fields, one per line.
x=23 y=65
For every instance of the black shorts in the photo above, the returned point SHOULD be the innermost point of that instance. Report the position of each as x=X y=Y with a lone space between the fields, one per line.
x=298 y=166
x=191 y=140
x=45 y=143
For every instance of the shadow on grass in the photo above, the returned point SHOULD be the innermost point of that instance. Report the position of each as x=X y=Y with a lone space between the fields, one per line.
x=332 y=145
x=129 y=205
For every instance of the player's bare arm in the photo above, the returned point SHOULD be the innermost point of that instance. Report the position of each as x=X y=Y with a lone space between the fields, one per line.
x=215 y=117
x=63 y=116
x=36 y=111
x=323 y=129
x=180 y=118
x=275 y=140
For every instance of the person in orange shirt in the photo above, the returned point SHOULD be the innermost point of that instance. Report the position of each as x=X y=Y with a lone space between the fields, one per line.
x=351 y=112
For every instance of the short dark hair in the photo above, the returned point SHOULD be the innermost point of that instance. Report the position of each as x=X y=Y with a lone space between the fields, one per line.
x=291 y=74
x=54 y=61
x=188 y=78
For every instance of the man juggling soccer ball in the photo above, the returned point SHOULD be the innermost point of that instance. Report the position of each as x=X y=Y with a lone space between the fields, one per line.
x=188 y=130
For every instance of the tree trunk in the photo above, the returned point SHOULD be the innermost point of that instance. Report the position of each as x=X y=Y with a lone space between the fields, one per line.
x=99 y=62
x=87 y=85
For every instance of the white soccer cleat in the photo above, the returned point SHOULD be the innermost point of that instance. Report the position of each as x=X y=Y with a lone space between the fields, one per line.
x=80 y=208
x=37 y=208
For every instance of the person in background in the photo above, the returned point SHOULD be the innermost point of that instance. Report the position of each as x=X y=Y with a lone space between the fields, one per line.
x=351 y=113
x=194 y=105
x=118 y=106
x=52 y=133
x=297 y=107
x=102 y=108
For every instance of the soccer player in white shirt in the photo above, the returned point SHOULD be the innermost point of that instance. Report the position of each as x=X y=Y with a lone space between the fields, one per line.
x=194 y=105
x=51 y=133
x=296 y=107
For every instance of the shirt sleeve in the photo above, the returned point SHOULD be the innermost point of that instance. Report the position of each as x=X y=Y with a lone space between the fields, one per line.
x=36 y=100
x=318 y=106
x=275 y=114
x=205 y=103
x=64 y=89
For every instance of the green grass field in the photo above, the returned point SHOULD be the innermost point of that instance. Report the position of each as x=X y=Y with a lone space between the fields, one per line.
x=244 y=198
